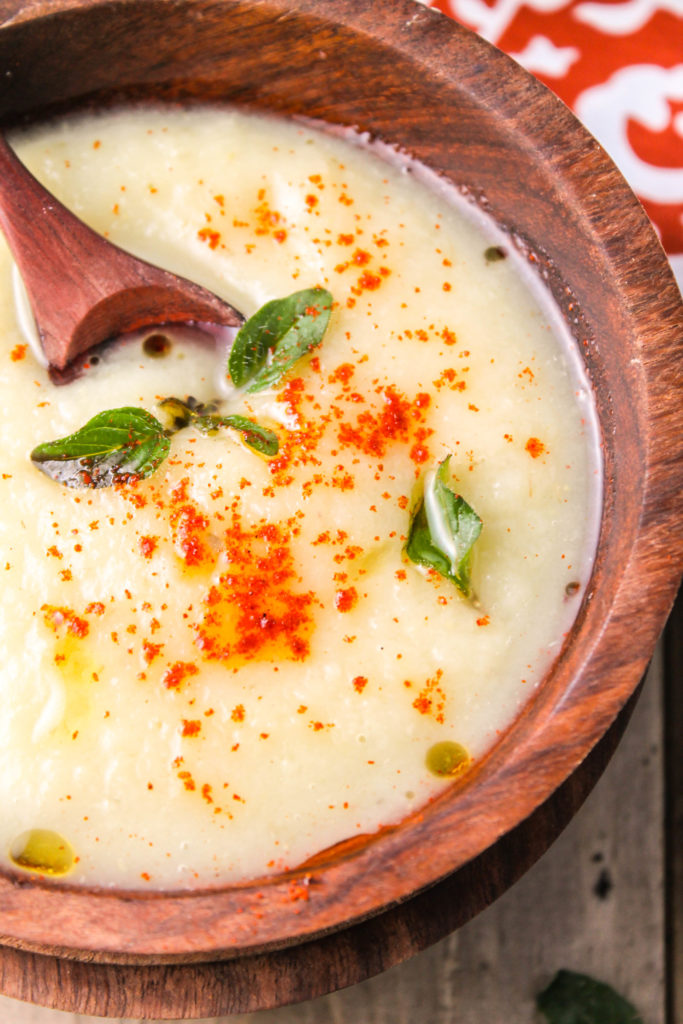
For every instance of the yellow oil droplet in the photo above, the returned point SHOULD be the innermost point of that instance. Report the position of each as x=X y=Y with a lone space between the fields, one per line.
x=447 y=759
x=373 y=559
x=78 y=671
x=42 y=851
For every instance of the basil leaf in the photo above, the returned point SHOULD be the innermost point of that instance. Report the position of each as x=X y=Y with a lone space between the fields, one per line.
x=261 y=439
x=578 y=999
x=289 y=328
x=443 y=530
x=203 y=415
x=111 y=448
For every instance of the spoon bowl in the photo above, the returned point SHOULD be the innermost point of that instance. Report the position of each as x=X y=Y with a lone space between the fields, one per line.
x=84 y=290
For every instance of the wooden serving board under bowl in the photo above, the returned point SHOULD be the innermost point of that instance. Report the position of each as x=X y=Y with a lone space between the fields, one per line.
x=414 y=79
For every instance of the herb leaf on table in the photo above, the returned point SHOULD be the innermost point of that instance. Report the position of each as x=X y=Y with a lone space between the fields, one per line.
x=578 y=999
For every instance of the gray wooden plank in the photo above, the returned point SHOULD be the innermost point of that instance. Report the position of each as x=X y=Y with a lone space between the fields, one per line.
x=673 y=717
x=593 y=903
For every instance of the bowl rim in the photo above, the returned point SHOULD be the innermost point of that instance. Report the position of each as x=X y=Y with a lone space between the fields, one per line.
x=229 y=920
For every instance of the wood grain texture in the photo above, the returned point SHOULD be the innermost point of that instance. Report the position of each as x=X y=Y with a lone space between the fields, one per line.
x=310 y=969
x=594 y=903
x=499 y=137
x=84 y=290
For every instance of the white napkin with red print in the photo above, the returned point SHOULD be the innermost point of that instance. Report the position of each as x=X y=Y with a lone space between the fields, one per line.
x=619 y=65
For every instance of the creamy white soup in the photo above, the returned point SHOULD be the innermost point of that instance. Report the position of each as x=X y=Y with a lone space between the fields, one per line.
x=219 y=669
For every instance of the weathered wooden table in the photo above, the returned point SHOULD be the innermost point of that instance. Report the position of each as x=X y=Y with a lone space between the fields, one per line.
x=604 y=900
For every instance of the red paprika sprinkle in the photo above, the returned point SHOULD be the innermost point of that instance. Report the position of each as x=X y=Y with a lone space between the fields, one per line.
x=345 y=599
x=54 y=617
x=150 y=651
x=212 y=238
x=535 y=447
x=191 y=727
x=177 y=673
x=148 y=546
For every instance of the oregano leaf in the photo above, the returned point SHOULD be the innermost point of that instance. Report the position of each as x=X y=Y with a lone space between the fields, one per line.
x=261 y=439
x=284 y=329
x=443 y=530
x=113 y=447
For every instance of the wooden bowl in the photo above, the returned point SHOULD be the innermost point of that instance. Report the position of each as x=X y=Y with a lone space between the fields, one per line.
x=413 y=78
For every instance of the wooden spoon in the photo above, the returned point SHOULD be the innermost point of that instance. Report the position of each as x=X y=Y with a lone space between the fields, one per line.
x=82 y=288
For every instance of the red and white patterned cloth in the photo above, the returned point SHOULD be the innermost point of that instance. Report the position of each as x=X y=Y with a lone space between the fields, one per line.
x=619 y=65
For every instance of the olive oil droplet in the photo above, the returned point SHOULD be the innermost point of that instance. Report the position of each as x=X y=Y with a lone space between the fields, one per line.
x=447 y=759
x=42 y=851
x=494 y=253
x=156 y=345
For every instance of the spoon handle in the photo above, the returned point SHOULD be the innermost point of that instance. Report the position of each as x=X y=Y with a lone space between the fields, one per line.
x=82 y=288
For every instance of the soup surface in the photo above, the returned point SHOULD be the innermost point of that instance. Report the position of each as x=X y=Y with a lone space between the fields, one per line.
x=220 y=669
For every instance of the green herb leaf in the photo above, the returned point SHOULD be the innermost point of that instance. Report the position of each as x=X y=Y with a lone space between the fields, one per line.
x=204 y=416
x=287 y=328
x=111 y=448
x=443 y=530
x=578 y=999
x=261 y=439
